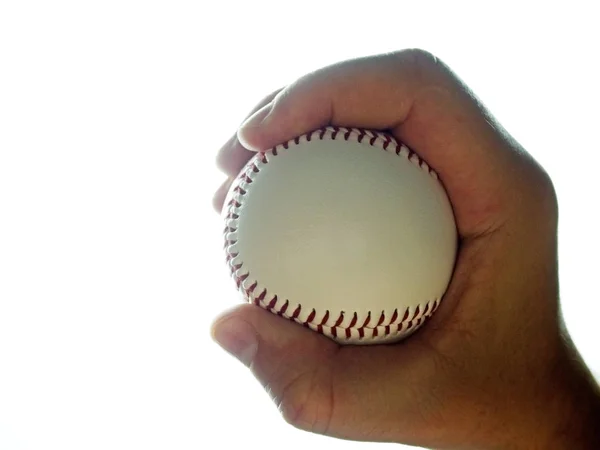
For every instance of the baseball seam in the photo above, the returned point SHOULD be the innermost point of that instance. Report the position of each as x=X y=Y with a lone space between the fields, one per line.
x=342 y=325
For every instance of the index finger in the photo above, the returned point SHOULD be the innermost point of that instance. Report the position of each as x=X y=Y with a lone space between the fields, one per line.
x=232 y=156
x=424 y=104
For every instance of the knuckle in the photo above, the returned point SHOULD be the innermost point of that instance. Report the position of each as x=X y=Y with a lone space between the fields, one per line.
x=548 y=190
x=295 y=413
x=543 y=193
x=295 y=407
x=302 y=407
x=281 y=100
x=420 y=59
x=419 y=56
x=549 y=198
x=265 y=101
x=420 y=65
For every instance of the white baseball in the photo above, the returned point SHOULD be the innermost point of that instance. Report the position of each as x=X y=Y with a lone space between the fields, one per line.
x=345 y=231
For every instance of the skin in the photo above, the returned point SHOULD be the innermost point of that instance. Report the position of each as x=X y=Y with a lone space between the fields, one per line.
x=494 y=368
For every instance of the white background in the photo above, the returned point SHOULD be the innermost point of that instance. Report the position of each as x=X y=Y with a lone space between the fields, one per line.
x=110 y=256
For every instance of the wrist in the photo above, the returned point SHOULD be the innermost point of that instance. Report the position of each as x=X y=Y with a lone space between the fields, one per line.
x=578 y=416
x=567 y=415
x=554 y=407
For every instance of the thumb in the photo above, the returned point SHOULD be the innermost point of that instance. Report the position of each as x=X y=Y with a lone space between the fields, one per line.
x=373 y=393
x=288 y=359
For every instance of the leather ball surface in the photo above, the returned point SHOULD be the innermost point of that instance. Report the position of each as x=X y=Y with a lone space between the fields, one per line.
x=345 y=231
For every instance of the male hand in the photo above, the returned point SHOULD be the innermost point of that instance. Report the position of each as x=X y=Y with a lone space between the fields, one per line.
x=494 y=367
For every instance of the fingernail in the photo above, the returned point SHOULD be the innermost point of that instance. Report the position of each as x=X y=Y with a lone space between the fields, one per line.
x=259 y=118
x=237 y=338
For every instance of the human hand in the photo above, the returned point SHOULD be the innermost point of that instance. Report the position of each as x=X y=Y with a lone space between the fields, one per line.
x=494 y=367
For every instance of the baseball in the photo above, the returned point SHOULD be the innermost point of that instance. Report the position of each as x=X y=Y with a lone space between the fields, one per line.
x=345 y=231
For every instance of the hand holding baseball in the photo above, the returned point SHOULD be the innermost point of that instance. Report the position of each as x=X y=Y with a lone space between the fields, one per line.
x=493 y=368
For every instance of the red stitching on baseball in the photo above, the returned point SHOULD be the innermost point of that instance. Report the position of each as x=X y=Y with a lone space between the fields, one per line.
x=239 y=190
x=311 y=317
x=234 y=202
x=323 y=322
x=250 y=289
x=262 y=295
x=297 y=312
x=240 y=279
x=426 y=309
x=367 y=320
x=272 y=303
x=387 y=142
x=361 y=135
x=284 y=308
x=381 y=327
